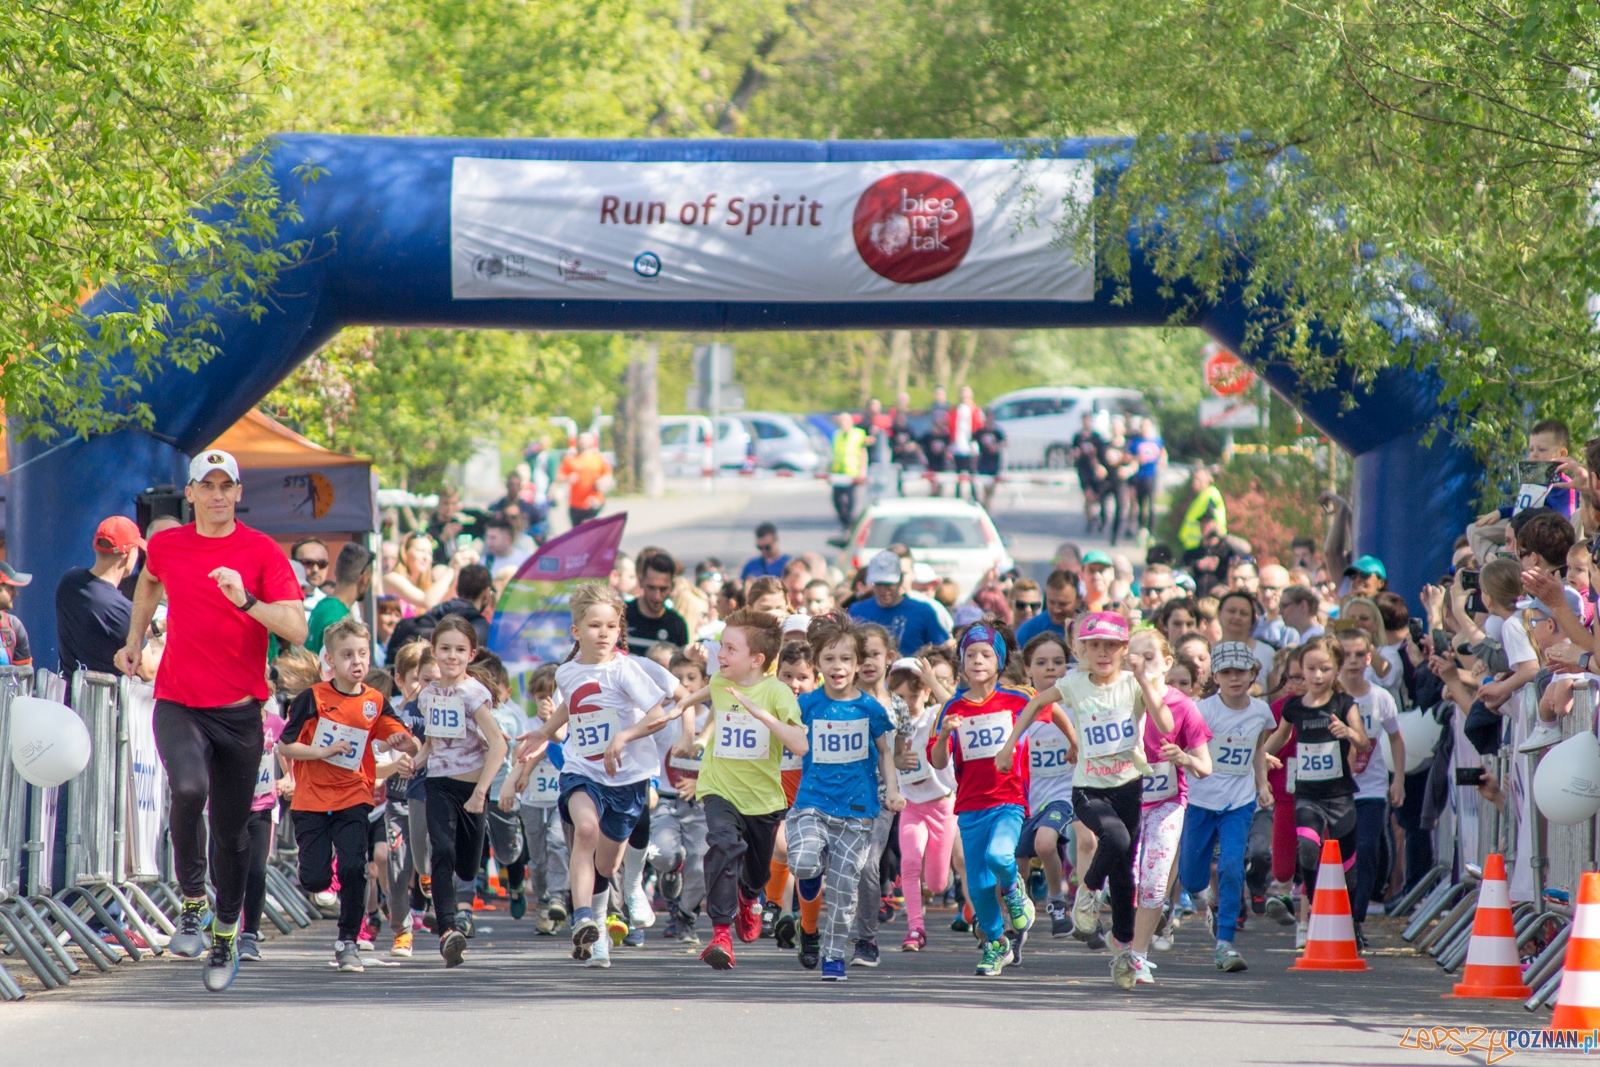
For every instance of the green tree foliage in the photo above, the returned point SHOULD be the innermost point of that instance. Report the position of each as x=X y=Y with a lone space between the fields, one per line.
x=124 y=156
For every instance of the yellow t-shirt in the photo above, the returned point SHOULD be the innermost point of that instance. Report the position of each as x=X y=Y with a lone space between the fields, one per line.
x=741 y=758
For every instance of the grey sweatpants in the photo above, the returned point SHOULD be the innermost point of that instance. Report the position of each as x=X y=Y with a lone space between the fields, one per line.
x=870 y=890
x=838 y=850
x=547 y=850
x=678 y=838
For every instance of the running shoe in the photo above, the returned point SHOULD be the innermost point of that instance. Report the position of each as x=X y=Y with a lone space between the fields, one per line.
x=601 y=956
x=1123 y=971
x=994 y=957
x=1019 y=907
x=1211 y=921
x=886 y=910
x=1161 y=943
x=453 y=947
x=326 y=901
x=585 y=932
x=810 y=950
x=616 y=928
x=1361 y=938
x=1258 y=905
x=519 y=906
x=188 y=940
x=1300 y=934
x=542 y=923
x=249 y=947
x=719 y=954
x=670 y=931
x=402 y=945
x=1280 y=909
x=465 y=924
x=640 y=913
x=1015 y=939
x=1185 y=903
x=1143 y=971
x=1038 y=888
x=866 y=954
x=687 y=934
x=960 y=925
x=635 y=938
x=784 y=930
x=1085 y=913
x=1097 y=940
x=222 y=965
x=557 y=911
x=1544 y=735
x=1227 y=959
x=427 y=886
x=916 y=941
x=834 y=971
x=748 y=920
x=671 y=883
x=347 y=954
x=769 y=917
x=366 y=934
x=1060 y=919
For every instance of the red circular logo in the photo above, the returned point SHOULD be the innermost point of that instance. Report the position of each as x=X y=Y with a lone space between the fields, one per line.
x=913 y=226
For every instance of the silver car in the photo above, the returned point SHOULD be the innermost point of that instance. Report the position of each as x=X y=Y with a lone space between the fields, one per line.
x=780 y=443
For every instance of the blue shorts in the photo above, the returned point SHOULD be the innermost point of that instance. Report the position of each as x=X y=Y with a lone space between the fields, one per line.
x=620 y=806
x=1057 y=816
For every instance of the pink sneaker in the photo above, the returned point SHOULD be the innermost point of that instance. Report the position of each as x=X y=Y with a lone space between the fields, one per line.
x=916 y=941
x=364 y=938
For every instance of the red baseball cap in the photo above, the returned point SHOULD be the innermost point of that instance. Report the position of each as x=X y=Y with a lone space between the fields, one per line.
x=117 y=534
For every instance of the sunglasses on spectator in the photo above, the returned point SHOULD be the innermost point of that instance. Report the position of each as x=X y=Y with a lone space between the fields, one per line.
x=1029 y=605
x=308 y=564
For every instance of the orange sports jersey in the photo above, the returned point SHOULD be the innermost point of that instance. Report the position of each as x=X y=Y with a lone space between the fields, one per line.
x=322 y=713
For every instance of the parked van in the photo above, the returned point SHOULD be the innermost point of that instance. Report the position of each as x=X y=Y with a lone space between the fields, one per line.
x=1040 y=423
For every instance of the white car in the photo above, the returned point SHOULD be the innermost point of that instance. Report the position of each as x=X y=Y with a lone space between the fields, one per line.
x=683 y=444
x=1040 y=423
x=956 y=538
x=781 y=443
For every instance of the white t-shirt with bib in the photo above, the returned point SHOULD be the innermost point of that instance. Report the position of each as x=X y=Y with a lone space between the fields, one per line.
x=603 y=700
x=1235 y=736
x=457 y=745
x=1049 y=773
x=925 y=783
x=1378 y=716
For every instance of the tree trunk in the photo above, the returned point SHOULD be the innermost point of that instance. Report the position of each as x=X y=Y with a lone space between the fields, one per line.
x=969 y=348
x=941 y=358
x=647 y=419
x=899 y=359
x=624 y=439
x=869 y=357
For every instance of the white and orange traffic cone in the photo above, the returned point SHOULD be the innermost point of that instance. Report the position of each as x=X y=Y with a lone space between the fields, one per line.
x=1493 y=971
x=1331 y=936
x=1578 y=1003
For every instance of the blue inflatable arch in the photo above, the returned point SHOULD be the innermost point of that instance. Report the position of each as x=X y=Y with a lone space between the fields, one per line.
x=388 y=201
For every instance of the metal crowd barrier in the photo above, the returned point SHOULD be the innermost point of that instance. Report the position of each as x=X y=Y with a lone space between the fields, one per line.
x=116 y=899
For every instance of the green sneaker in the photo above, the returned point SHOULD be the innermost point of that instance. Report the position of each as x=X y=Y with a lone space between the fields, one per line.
x=1020 y=907
x=993 y=960
x=1227 y=959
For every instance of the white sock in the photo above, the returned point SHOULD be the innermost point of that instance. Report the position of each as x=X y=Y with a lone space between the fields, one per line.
x=633 y=871
x=600 y=904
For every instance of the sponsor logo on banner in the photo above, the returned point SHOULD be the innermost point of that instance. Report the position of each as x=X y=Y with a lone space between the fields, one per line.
x=913 y=227
x=309 y=495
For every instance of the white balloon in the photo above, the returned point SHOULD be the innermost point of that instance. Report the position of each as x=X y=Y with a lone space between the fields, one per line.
x=49 y=742
x=1421 y=733
x=1566 y=787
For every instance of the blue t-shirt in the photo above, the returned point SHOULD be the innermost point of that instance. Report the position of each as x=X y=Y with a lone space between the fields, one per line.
x=1148 y=451
x=757 y=566
x=842 y=730
x=911 y=623
x=1039 y=624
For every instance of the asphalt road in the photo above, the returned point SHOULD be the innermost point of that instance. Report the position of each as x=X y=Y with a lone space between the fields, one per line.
x=519 y=994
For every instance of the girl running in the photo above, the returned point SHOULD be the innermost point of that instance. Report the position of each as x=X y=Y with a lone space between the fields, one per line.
x=928 y=821
x=1048 y=831
x=1108 y=706
x=464 y=751
x=1326 y=726
x=1177 y=758
x=611 y=704
x=991 y=789
x=1222 y=806
x=831 y=823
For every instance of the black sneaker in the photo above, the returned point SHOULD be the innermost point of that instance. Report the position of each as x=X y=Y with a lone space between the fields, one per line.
x=886 y=910
x=189 y=940
x=810 y=950
x=784 y=930
x=671 y=883
x=1060 y=918
x=1258 y=905
x=453 y=947
x=1361 y=938
x=866 y=954
x=960 y=925
x=1015 y=939
x=464 y=923
x=249 y=948
x=222 y=965
x=1097 y=940
x=769 y=916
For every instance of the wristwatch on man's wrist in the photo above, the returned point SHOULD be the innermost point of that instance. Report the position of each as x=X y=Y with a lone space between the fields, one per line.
x=249 y=602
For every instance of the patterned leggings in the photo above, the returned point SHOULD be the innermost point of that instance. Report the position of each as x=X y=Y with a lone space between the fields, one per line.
x=834 y=849
x=1160 y=828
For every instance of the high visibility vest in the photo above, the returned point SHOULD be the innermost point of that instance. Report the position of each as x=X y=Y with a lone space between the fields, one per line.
x=848 y=446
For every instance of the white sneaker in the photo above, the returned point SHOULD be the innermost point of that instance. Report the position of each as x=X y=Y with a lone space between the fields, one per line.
x=639 y=911
x=1142 y=971
x=1085 y=910
x=1301 y=932
x=1161 y=943
x=1123 y=970
x=601 y=954
x=325 y=899
x=1544 y=735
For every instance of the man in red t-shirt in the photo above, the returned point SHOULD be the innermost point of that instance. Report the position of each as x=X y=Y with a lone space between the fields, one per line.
x=588 y=475
x=226 y=586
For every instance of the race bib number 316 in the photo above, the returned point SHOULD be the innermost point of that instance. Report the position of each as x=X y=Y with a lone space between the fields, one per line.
x=740 y=736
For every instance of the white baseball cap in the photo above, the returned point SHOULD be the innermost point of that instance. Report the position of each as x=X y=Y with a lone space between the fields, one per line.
x=923 y=573
x=213 y=459
x=884 y=569
x=796 y=623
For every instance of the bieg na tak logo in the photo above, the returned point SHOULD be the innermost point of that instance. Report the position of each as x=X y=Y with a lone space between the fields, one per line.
x=913 y=226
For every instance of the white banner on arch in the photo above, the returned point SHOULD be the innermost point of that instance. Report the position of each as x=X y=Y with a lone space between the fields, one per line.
x=957 y=229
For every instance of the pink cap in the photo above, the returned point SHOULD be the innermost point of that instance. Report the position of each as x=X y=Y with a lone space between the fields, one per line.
x=1103 y=626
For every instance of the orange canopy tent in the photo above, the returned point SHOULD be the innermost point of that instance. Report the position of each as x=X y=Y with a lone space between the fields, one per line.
x=294 y=486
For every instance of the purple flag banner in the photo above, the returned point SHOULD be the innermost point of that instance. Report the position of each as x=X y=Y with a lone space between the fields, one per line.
x=531 y=623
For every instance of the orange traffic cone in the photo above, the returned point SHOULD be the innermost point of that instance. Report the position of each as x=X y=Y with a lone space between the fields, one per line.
x=1493 y=969
x=1331 y=938
x=494 y=881
x=1578 y=1003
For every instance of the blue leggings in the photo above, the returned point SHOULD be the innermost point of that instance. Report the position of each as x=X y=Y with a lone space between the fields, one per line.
x=989 y=840
x=1229 y=831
